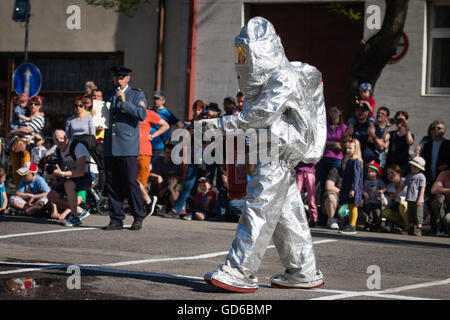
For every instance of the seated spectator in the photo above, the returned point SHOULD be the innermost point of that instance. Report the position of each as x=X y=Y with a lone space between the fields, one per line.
x=3 y=195
x=81 y=122
x=352 y=182
x=397 y=205
x=398 y=142
x=332 y=156
x=331 y=196
x=363 y=128
x=171 y=192
x=31 y=194
x=203 y=202
x=76 y=177
x=306 y=173
x=161 y=167
x=373 y=188
x=224 y=206
x=81 y=199
x=440 y=206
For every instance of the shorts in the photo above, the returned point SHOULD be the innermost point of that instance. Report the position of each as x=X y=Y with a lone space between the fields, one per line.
x=143 y=169
x=81 y=183
x=44 y=200
x=415 y=213
x=81 y=194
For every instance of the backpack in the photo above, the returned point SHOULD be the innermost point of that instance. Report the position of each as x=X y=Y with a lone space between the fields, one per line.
x=311 y=79
x=95 y=150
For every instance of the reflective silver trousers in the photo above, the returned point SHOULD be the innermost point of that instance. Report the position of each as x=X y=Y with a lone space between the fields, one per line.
x=273 y=209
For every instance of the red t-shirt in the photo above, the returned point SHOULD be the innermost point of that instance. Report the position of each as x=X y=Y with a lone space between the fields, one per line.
x=200 y=201
x=371 y=101
x=145 y=146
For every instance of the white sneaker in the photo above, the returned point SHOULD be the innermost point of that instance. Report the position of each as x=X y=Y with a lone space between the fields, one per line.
x=332 y=224
x=231 y=279
x=295 y=281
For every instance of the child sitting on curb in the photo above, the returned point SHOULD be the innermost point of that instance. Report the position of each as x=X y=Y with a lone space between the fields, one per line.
x=203 y=201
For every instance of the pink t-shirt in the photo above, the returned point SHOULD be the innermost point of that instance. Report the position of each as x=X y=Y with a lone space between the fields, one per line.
x=334 y=136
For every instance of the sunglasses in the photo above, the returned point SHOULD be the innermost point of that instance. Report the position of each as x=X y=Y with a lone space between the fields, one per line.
x=78 y=106
x=34 y=104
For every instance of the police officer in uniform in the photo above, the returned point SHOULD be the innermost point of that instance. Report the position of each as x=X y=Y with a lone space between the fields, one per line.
x=121 y=148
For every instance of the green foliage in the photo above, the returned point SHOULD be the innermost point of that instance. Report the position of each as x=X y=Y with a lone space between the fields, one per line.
x=340 y=8
x=127 y=7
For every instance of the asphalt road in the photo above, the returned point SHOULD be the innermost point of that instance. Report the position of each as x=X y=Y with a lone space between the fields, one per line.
x=167 y=259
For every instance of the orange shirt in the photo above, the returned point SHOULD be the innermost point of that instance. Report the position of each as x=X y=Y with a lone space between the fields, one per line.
x=145 y=146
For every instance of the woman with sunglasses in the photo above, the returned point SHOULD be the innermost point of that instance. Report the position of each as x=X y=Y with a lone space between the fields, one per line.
x=27 y=132
x=81 y=122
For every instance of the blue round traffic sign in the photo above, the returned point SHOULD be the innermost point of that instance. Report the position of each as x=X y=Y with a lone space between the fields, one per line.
x=27 y=79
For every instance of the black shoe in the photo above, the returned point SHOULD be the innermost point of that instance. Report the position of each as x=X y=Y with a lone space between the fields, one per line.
x=137 y=225
x=149 y=208
x=312 y=224
x=113 y=226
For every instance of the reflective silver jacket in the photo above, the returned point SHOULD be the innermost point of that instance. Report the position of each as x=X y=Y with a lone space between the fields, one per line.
x=284 y=98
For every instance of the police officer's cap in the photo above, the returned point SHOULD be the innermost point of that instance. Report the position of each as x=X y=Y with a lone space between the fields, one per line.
x=119 y=71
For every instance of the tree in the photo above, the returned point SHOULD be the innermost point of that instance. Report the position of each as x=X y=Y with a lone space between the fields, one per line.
x=127 y=7
x=376 y=52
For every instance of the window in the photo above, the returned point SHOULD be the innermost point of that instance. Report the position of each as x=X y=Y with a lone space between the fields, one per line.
x=438 y=64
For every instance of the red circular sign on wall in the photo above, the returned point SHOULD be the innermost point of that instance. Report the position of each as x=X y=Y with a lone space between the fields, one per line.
x=401 y=50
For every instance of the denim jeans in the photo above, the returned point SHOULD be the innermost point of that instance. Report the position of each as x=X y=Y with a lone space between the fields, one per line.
x=189 y=182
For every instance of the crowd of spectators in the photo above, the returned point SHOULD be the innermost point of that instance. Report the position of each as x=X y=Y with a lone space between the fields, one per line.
x=369 y=178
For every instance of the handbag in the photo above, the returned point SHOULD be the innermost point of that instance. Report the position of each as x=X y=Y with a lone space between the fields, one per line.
x=19 y=145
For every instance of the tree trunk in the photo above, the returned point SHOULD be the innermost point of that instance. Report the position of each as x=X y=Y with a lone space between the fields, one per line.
x=376 y=52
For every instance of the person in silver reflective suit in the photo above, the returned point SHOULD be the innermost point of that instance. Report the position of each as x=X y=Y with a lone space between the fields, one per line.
x=286 y=99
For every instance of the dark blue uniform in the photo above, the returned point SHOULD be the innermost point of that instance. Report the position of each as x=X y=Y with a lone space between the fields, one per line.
x=121 y=148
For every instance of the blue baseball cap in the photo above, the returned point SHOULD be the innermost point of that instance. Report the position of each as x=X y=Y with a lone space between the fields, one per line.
x=365 y=86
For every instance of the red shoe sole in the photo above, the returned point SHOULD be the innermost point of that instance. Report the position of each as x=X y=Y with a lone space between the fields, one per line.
x=218 y=284
x=277 y=286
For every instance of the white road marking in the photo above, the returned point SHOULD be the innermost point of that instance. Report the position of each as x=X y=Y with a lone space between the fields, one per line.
x=6 y=236
x=386 y=293
x=43 y=232
x=126 y=263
